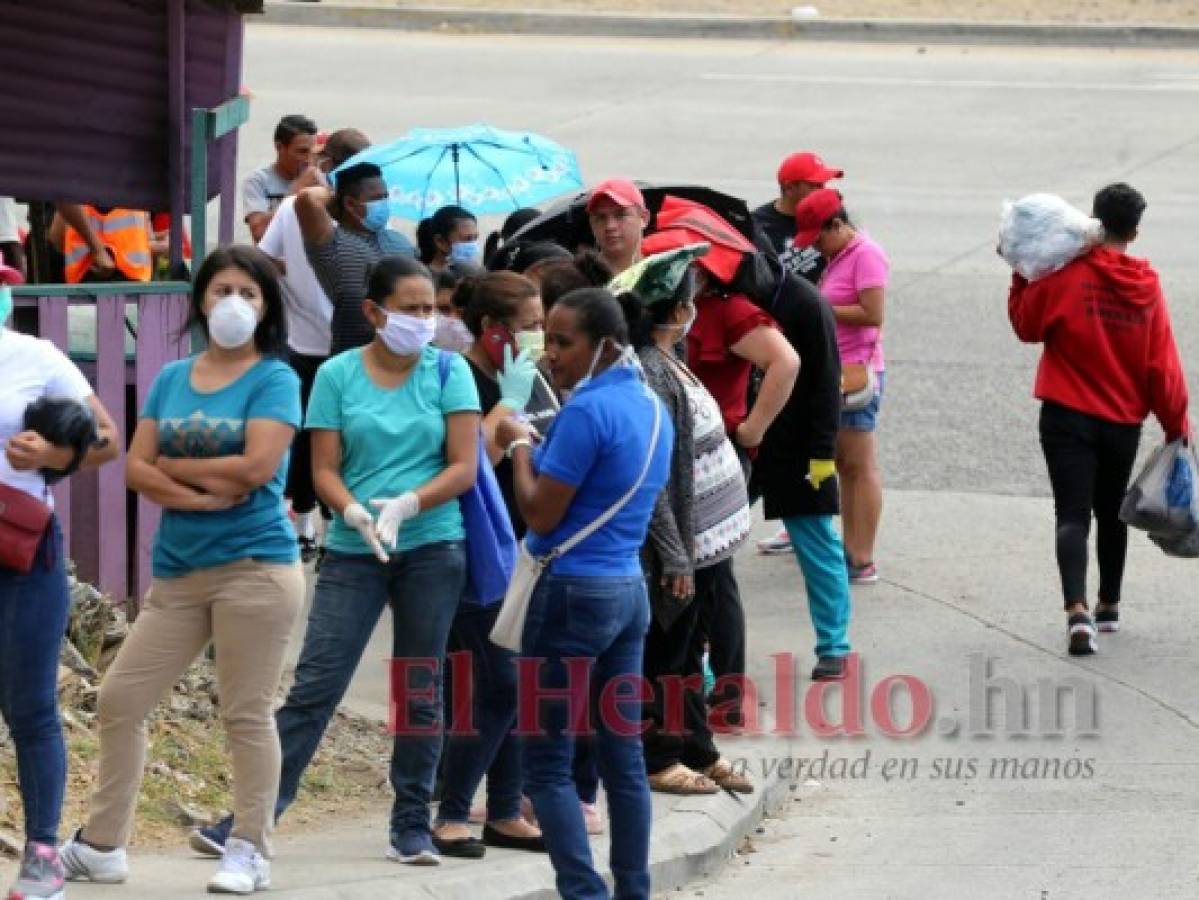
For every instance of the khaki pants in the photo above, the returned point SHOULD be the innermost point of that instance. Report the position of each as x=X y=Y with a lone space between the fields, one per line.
x=247 y=610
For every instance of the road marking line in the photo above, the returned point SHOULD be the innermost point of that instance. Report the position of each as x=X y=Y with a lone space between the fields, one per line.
x=981 y=84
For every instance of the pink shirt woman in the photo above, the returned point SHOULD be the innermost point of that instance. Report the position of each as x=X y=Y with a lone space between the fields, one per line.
x=861 y=266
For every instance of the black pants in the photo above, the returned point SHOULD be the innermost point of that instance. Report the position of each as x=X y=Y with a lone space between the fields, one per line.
x=722 y=624
x=677 y=652
x=1090 y=462
x=299 y=473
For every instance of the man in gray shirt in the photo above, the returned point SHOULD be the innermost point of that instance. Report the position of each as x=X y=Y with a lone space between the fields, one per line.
x=265 y=188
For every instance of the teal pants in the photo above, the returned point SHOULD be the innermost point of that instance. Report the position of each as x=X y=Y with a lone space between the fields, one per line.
x=821 y=558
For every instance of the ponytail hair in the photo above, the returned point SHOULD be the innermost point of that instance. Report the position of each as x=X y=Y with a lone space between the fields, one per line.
x=493 y=295
x=642 y=318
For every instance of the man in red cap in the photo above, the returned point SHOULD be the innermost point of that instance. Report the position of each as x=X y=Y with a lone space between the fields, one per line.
x=798 y=175
x=618 y=216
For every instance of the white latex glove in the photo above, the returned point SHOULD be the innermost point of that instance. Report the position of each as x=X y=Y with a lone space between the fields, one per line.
x=358 y=518
x=394 y=512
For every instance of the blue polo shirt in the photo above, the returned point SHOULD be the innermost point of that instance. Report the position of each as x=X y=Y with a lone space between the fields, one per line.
x=598 y=444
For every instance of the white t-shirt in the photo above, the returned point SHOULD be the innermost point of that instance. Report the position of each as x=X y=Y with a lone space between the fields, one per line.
x=31 y=368
x=309 y=311
x=9 y=232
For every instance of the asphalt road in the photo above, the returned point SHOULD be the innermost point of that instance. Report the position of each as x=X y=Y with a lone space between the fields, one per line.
x=932 y=141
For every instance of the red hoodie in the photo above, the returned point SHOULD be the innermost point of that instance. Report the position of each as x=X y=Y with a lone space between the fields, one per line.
x=1109 y=347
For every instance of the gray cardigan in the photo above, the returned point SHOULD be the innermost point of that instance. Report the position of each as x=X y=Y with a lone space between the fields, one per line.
x=671 y=544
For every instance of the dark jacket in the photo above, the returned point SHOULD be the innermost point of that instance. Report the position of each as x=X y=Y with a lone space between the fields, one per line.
x=807 y=427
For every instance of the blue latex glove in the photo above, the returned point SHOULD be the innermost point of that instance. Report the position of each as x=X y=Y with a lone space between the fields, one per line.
x=516 y=380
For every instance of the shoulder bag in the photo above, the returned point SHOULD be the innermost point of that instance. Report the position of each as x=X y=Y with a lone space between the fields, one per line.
x=23 y=523
x=510 y=624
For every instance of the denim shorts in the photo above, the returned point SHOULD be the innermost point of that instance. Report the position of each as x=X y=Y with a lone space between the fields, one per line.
x=865 y=419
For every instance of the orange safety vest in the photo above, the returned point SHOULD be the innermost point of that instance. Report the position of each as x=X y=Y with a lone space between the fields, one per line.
x=126 y=234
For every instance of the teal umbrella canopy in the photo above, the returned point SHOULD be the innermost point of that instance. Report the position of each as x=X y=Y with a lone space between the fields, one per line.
x=484 y=169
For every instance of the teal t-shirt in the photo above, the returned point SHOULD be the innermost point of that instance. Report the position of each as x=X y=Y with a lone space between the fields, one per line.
x=205 y=425
x=392 y=441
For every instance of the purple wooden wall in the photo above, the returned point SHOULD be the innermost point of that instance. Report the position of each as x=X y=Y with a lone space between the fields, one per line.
x=93 y=507
x=84 y=88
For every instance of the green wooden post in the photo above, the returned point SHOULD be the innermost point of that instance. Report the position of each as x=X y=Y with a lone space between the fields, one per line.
x=199 y=199
x=208 y=125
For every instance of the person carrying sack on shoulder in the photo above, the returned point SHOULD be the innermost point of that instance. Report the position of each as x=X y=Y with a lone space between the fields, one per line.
x=1110 y=359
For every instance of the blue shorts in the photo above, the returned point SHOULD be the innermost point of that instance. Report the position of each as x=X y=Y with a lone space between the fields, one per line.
x=865 y=419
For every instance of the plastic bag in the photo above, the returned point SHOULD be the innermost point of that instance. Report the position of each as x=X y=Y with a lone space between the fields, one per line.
x=1041 y=233
x=1164 y=498
x=1185 y=546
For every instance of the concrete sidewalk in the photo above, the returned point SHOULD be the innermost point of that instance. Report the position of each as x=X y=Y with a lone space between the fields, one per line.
x=968 y=581
x=352 y=14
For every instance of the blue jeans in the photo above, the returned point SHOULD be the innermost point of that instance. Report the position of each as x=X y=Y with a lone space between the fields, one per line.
x=604 y=620
x=494 y=749
x=422 y=587
x=866 y=419
x=33 y=619
x=821 y=557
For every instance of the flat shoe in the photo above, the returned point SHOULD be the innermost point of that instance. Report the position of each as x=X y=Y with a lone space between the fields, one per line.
x=460 y=848
x=679 y=779
x=493 y=837
x=723 y=773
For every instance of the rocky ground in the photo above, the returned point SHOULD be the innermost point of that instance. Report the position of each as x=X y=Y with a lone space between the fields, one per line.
x=188 y=778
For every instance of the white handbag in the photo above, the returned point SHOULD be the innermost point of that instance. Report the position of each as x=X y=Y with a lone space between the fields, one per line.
x=509 y=626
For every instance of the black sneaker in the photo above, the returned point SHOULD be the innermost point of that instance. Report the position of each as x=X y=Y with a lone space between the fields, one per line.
x=1107 y=619
x=210 y=840
x=829 y=668
x=1082 y=635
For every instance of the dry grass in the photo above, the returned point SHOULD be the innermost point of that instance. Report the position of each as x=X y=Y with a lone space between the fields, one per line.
x=188 y=768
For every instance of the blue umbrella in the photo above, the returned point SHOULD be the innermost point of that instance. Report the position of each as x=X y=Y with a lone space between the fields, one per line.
x=484 y=169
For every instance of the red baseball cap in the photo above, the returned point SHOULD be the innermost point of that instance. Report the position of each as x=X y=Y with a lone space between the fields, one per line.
x=812 y=212
x=806 y=167
x=620 y=191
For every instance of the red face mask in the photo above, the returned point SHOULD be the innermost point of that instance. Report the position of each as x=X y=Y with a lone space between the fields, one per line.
x=494 y=340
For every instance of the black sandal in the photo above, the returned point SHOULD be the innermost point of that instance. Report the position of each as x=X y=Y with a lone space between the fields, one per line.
x=1082 y=635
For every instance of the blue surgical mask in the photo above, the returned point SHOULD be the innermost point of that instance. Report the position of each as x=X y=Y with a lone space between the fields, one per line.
x=5 y=303
x=465 y=252
x=378 y=212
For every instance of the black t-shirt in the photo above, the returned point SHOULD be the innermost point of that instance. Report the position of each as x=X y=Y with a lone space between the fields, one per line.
x=807 y=263
x=540 y=412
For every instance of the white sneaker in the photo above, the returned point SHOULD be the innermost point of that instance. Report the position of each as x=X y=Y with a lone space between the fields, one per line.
x=85 y=863
x=780 y=543
x=242 y=871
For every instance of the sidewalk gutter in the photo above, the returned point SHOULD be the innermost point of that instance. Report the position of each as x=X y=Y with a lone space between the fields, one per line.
x=604 y=24
x=695 y=839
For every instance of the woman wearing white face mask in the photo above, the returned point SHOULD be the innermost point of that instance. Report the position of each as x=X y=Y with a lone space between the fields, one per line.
x=699 y=522
x=211 y=450
x=390 y=435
